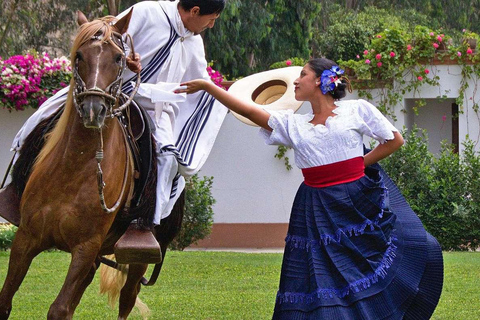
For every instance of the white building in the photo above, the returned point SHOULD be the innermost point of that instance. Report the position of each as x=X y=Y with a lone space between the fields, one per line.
x=254 y=191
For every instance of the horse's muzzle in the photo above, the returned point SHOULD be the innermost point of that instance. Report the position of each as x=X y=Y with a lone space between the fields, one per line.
x=93 y=110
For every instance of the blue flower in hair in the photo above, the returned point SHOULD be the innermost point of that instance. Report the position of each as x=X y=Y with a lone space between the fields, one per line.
x=330 y=79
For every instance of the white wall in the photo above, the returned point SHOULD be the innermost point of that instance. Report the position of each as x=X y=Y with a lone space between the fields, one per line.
x=10 y=123
x=250 y=185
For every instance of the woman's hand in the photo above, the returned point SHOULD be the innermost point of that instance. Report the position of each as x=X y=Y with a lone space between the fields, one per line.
x=133 y=63
x=250 y=111
x=384 y=150
x=193 y=86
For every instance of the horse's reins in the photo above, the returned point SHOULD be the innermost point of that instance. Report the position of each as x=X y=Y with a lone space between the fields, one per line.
x=111 y=94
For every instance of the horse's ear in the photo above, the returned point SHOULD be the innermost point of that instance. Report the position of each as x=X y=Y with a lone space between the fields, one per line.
x=122 y=25
x=81 y=18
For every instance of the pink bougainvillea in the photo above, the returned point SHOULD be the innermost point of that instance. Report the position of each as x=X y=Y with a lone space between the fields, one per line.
x=28 y=80
x=216 y=76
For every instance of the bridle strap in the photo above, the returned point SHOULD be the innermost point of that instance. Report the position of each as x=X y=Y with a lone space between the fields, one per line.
x=118 y=111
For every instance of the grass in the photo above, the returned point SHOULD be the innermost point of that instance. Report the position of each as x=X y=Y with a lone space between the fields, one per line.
x=217 y=285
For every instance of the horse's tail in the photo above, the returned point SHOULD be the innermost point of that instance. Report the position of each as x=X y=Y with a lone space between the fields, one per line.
x=112 y=282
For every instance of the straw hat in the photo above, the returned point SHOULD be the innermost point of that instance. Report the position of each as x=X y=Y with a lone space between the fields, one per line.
x=269 y=90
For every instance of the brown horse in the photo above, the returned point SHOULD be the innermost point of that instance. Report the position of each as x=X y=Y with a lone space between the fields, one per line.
x=64 y=204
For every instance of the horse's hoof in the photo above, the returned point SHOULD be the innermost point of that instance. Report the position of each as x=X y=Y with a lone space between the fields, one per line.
x=137 y=246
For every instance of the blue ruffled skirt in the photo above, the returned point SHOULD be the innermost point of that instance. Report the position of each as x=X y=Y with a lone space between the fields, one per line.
x=358 y=251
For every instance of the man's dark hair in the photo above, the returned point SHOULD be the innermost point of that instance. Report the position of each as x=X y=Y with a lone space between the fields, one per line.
x=206 y=6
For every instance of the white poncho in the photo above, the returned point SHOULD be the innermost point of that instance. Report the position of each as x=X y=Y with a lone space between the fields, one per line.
x=171 y=54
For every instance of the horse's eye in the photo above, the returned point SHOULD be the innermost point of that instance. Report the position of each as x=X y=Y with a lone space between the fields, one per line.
x=79 y=56
x=119 y=58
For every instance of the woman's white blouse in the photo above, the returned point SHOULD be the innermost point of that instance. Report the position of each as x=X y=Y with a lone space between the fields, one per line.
x=341 y=138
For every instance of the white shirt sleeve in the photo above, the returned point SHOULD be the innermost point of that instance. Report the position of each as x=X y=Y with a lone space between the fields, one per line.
x=279 y=122
x=375 y=124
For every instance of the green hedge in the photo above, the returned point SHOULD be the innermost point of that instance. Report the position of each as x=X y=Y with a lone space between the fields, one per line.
x=444 y=190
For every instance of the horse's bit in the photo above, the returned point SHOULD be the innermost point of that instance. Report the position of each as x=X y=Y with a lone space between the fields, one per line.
x=111 y=94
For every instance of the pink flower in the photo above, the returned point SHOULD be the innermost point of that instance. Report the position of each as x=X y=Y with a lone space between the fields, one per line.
x=426 y=71
x=392 y=54
x=365 y=52
x=469 y=51
x=459 y=54
x=378 y=56
x=367 y=61
x=379 y=36
x=288 y=62
x=439 y=38
x=420 y=78
x=432 y=34
x=379 y=64
x=435 y=45
x=463 y=30
x=409 y=47
x=358 y=57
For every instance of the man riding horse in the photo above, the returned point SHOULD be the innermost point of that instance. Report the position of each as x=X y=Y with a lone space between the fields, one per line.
x=166 y=35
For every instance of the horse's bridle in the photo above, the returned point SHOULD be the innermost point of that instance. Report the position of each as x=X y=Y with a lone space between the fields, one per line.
x=112 y=96
x=112 y=93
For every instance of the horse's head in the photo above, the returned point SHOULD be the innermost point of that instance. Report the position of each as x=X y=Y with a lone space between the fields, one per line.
x=99 y=63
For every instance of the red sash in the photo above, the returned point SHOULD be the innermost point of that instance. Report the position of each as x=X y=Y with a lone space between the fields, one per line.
x=334 y=173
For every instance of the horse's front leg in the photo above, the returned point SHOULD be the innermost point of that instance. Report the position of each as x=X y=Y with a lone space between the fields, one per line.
x=24 y=249
x=129 y=292
x=79 y=275
x=85 y=284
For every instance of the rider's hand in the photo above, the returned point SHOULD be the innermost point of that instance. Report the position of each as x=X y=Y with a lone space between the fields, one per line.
x=133 y=63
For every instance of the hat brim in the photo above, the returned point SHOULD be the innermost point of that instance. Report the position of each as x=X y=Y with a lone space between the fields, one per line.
x=269 y=90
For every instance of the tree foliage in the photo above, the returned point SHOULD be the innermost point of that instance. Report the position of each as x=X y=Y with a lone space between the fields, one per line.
x=250 y=36
x=46 y=25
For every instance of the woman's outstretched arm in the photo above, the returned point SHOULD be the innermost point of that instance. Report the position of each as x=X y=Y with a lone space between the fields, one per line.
x=249 y=111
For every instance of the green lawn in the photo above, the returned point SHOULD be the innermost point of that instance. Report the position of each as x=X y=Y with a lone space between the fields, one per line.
x=218 y=285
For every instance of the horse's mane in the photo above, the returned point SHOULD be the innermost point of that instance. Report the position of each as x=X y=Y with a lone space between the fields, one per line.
x=85 y=33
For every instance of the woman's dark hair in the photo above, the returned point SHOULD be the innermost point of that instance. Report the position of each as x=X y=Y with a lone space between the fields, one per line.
x=206 y=6
x=321 y=64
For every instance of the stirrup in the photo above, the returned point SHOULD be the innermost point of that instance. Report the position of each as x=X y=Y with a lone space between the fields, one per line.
x=137 y=245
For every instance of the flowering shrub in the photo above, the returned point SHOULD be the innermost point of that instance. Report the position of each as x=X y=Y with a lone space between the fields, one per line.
x=28 y=80
x=396 y=55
